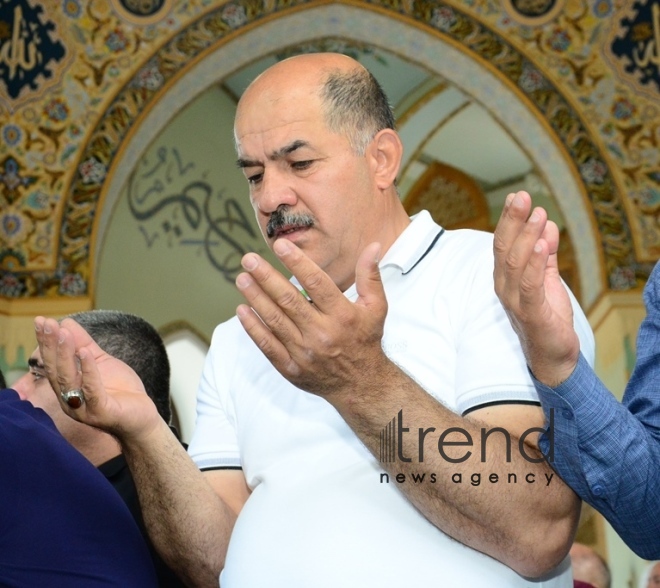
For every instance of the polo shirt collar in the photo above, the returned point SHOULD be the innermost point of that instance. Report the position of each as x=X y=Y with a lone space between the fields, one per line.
x=413 y=244
x=416 y=240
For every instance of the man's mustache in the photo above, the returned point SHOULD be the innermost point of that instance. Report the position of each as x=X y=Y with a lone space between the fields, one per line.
x=292 y=220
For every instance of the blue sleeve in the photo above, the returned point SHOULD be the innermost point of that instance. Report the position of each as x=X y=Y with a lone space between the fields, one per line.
x=609 y=452
x=62 y=525
x=642 y=395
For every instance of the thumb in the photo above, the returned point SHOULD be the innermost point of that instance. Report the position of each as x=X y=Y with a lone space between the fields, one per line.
x=367 y=277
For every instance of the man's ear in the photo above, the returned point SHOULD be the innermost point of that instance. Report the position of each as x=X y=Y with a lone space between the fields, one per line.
x=386 y=151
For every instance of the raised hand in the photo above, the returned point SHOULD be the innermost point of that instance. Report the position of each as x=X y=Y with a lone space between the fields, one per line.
x=328 y=346
x=114 y=397
x=528 y=284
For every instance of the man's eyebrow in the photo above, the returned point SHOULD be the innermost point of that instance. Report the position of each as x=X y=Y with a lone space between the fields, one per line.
x=241 y=163
x=275 y=155
x=288 y=149
x=35 y=363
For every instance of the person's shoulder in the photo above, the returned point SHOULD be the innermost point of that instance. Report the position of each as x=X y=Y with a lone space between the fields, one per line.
x=652 y=287
x=13 y=408
x=463 y=249
x=459 y=265
x=230 y=338
x=8 y=396
x=229 y=328
x=468 y=241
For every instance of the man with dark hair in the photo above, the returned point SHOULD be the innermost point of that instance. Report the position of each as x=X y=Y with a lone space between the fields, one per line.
x=135 y=342
x=62 y=525
x=298 y=389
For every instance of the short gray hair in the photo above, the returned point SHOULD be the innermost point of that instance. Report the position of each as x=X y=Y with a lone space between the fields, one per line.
x=356 y=105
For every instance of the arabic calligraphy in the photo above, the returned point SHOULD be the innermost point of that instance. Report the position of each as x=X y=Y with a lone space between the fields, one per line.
x=13 y=53
x=26 y=47
x=177 y=206
x=642 y=55
x=640 y=44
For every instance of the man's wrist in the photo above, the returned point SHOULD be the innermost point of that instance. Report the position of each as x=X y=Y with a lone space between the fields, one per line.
x=368 y=388
x=553 y=375
x=152 y=427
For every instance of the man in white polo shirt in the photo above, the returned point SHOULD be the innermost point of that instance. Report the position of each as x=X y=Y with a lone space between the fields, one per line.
x=345 y=425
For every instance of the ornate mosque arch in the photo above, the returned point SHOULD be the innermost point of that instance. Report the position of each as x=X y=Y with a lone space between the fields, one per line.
x=439 y=37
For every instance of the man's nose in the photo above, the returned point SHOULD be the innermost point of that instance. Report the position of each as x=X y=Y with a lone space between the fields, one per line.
x=21 y=386
x=275 y=191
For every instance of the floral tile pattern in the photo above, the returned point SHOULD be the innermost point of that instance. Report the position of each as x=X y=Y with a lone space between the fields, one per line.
x=58 y=146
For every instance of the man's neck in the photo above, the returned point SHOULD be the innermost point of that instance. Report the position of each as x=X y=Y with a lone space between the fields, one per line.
x=98 y=448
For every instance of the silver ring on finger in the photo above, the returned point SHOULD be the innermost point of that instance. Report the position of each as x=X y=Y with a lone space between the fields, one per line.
x=74 y=398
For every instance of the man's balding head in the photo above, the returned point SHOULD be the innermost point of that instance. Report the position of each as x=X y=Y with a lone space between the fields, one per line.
x=352 y=100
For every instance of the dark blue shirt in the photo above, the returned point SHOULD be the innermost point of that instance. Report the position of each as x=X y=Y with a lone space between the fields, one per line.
x=61 y=523
x=609 y=452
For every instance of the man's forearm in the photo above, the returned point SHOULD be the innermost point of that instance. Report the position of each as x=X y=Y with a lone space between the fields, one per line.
x=499 y=518
x=189 y=524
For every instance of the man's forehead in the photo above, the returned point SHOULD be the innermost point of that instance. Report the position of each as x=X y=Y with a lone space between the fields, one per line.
x=260 y=111
x=275 y=141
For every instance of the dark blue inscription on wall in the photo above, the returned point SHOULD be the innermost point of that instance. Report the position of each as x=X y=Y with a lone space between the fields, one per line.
x=639 y=47
x=176 y=205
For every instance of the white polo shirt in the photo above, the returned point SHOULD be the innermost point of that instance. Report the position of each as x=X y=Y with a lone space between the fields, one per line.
x=320 y=514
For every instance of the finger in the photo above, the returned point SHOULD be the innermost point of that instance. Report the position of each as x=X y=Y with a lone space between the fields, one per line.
x=265 y=340
x=68 y=374
x=47 y=333
x=91 y=381
x=272 y=311
x=278 y=288
x=551 y=236
x=80 y=337
x=368 y=281
x=520 y=252
x=532 y=292
x=318 y=285
x=514 y=215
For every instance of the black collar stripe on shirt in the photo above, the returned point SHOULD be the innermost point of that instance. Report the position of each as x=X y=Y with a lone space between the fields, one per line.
x=435 y=240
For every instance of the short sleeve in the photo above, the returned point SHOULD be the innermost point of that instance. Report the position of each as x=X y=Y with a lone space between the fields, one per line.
x=214 y=444
x=491 y=367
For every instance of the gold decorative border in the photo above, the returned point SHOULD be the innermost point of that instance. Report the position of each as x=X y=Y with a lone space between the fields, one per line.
x=533 y=21
x=219 y=24
x=134 y=19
